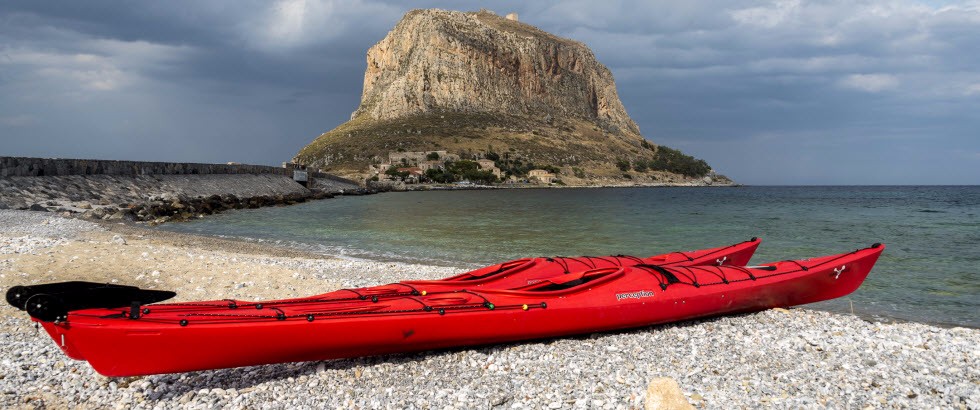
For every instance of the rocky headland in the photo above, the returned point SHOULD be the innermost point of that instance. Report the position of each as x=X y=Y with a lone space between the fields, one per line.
x=484 y=86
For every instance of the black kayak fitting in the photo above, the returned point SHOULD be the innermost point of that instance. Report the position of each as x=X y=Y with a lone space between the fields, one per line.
x=51 y=302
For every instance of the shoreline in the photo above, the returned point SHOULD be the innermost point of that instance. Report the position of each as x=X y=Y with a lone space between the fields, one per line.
x=452 y=187
x=786 y=358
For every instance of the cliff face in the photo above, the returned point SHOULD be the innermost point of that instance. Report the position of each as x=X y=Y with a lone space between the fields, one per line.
x=470 y=83
x=479 y=62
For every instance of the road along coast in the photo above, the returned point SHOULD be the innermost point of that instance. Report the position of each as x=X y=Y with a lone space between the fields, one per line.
x=784 y=358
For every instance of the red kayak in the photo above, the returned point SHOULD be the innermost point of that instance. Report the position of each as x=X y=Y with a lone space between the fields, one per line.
x=522 y=272
x=169 y=338
x=55 y=300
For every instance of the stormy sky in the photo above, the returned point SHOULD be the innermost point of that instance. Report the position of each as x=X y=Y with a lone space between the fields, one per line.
x=768 y=92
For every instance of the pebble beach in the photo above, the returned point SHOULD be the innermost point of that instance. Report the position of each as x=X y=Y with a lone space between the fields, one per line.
x=795 y=358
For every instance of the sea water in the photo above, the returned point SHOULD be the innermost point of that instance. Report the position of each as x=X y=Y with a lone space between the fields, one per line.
x=930 y=271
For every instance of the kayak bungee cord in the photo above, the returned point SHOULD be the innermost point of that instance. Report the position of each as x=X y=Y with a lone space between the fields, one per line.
x=696 y=284
x=373 y=309
x=365 y=310
x=720 y=273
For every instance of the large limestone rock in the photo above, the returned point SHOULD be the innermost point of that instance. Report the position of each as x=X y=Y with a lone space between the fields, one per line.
x=469 y=82
x=478 y=62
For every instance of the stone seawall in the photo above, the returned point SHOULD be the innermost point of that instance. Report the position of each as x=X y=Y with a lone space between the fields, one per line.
x=153 y=191
x=34 y=167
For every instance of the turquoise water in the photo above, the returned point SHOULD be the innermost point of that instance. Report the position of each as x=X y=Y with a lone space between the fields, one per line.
x=929 y=271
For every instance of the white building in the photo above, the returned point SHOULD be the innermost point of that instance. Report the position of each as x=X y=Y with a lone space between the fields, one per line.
x=541 y=176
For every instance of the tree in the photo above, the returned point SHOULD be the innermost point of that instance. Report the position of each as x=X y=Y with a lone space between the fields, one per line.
x=394 y=172
x=433 y=156
x=623 y=164
x=470 y=170
x=672 y=160
x=438 y=175
x=463 y=166
x=552 y=169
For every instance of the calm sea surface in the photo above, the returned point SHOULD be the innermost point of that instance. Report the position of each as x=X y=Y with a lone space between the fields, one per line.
x=930 y=271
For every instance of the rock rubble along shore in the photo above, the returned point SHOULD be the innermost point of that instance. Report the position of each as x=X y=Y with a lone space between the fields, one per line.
x=795 y=358
x=159 y=198
x=165 y=209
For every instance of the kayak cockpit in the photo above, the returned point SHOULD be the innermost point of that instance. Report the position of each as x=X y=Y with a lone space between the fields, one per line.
x=563 y=284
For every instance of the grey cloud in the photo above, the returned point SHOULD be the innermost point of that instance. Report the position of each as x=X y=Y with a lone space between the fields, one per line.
x=767 y=92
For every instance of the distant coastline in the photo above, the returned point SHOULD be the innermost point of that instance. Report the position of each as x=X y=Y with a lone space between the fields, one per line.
x=449 y=187
x=160 y=192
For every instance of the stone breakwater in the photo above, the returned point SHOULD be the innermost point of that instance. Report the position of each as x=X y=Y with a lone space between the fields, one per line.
x=35 y=167
x=155 y=198
x=779 y=358
x=153 y=191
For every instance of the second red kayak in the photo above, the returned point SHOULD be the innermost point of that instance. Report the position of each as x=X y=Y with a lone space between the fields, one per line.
x=522 y=272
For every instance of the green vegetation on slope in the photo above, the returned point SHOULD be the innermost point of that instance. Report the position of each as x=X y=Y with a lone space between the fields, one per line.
x=515 y=144
x=672 y=160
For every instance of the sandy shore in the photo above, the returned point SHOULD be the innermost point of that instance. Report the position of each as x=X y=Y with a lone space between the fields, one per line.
x=780 y=358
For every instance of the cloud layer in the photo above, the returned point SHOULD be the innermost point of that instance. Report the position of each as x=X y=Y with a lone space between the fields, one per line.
x=770 y=92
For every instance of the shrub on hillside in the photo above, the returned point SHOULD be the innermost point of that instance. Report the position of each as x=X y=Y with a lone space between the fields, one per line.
x=438 y=175
x=672 y=160
x=470 y=171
